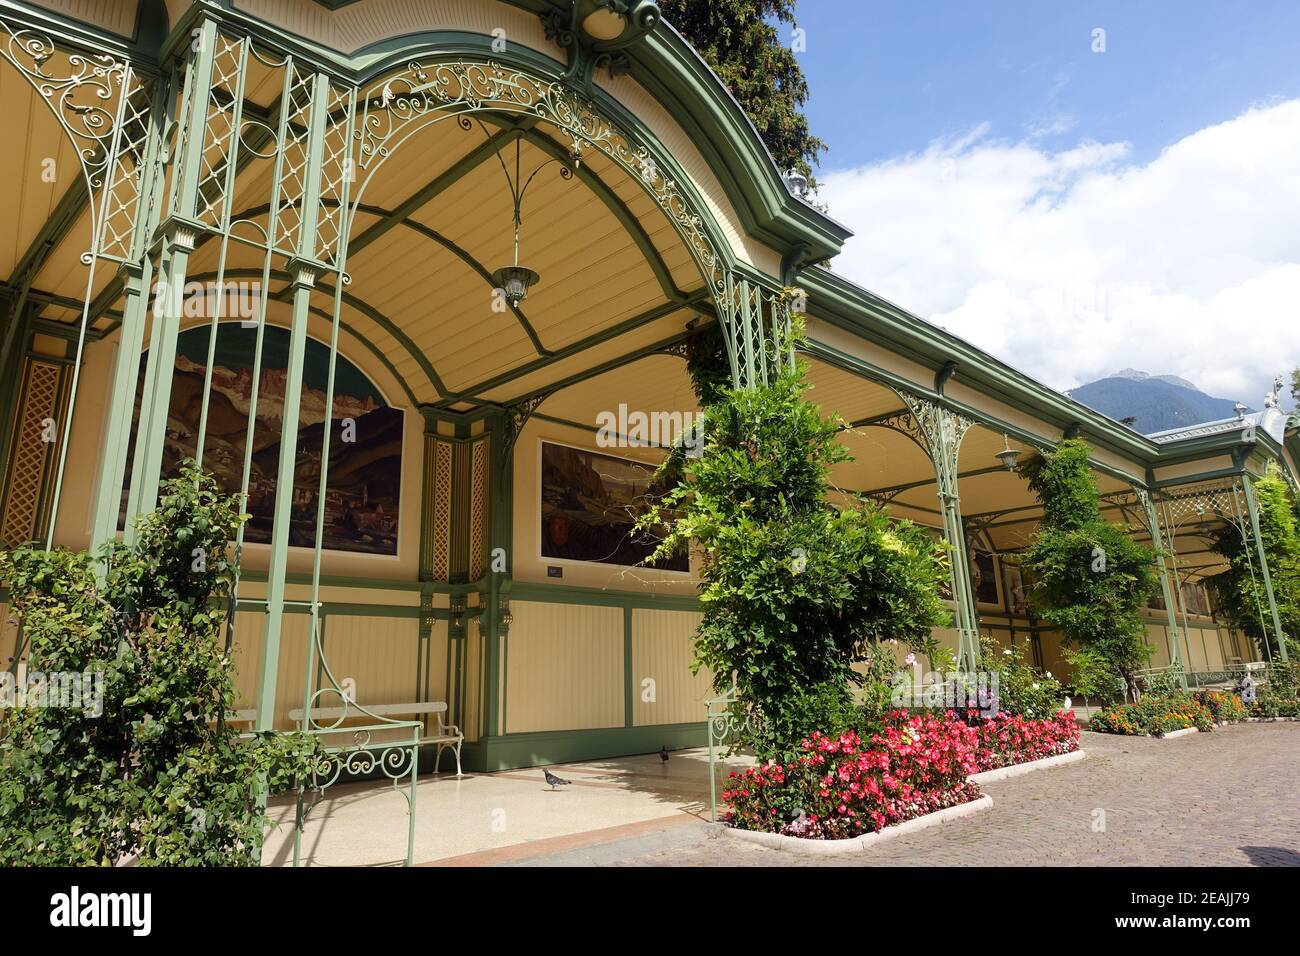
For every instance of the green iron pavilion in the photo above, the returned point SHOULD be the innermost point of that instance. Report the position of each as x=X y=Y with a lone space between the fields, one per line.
x=385 y=267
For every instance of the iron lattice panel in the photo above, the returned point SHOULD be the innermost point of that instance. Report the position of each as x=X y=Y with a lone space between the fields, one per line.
x=440 y=559
x=478 y=509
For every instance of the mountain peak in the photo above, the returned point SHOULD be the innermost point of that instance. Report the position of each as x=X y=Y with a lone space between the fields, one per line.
x=1156 y=402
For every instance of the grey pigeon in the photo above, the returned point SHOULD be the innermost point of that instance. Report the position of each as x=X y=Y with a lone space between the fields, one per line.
x=553 y=780
x=663 y=754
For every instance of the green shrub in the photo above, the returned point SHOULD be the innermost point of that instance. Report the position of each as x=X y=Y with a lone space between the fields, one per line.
x=1275 y=703
x=148 y=771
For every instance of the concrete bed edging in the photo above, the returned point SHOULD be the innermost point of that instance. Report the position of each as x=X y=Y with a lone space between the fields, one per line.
x=1177 y=733
x=1018 y=769
x=776 y=841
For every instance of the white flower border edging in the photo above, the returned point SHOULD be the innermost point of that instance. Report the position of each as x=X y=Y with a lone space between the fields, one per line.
x=776 y=841
x=1170 y=735
x=1017 y=769
x=1270 y=720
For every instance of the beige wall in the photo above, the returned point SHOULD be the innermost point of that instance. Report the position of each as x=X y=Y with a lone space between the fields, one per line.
x=564 y=667
x=663 y=646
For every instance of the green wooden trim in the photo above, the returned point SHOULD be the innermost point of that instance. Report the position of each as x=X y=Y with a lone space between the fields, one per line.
x=629 y=688
x=871 y=372
x=599 y=597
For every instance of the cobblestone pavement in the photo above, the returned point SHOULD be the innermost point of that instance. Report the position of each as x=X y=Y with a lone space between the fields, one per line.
x=1228 y=798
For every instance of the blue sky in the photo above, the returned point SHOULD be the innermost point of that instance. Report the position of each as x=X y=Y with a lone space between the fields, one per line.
x=1073 y=213
x=888 y=77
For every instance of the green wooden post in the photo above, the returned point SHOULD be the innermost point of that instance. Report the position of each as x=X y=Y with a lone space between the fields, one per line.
x=1252 y=506
x=305 y=271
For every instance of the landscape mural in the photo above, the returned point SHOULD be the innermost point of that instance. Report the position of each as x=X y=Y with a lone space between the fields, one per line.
x=364 y=491
x=590 y=503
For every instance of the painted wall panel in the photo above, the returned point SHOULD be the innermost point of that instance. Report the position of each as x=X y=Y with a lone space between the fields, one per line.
x=564 y=667
x=663 y=646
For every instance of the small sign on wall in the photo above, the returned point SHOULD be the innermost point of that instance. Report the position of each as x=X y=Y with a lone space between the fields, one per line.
x=552 y=571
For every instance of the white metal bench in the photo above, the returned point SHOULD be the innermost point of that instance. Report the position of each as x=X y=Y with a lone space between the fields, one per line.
x=446 y=736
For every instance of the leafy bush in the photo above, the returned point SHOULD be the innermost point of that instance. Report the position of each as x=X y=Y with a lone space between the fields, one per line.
x=1023 y=690
x=148 y=772
x=1009 y=739
x=1091 y=674
x=1153 y=715
x=1224 y=708
x=837 y=788
x=1272 y=702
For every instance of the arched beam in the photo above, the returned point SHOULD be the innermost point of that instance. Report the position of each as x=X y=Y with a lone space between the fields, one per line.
x=615 y=205
x=383 y=321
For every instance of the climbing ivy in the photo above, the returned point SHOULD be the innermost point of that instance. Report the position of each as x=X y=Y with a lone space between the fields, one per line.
x=796 y=589
x=1091 y=579
x=1239 y=590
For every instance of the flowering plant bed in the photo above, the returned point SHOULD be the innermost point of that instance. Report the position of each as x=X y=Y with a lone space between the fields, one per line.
x=1153 y=716
x=1009 y=739
x=1224 y=708
x=839 y=788
x=842 y=787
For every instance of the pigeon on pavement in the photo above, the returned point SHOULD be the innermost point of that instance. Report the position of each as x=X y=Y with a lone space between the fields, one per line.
x=663 y=754
x=553 y=780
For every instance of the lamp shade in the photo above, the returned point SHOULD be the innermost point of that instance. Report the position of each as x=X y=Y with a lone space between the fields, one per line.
x=515 y=281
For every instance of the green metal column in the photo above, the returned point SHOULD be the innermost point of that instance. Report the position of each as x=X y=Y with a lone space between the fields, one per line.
x=305 y=271
x=1252 y=506
x=180 y=234
x=497 y=594
x=947 y=431
x=1178 y=656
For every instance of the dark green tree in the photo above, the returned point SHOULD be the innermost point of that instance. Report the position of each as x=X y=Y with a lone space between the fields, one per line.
x=797 y=589
x=1090 y=578
x=1239 y=590
x=742 y=44
x=143 y=766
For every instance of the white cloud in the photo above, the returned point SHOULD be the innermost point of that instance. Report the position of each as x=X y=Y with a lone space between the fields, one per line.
x=1073 y=264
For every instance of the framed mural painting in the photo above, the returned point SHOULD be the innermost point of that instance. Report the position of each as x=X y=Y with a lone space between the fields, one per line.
x=363 y=496
x=590 y=503
x=984 y=577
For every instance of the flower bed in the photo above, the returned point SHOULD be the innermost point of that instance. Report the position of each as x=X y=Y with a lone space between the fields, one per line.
x=842 y=787
x=838 y=788
x=1224 y=708
x=1009 y=739
x=1271 y=703
x=1153 y=715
